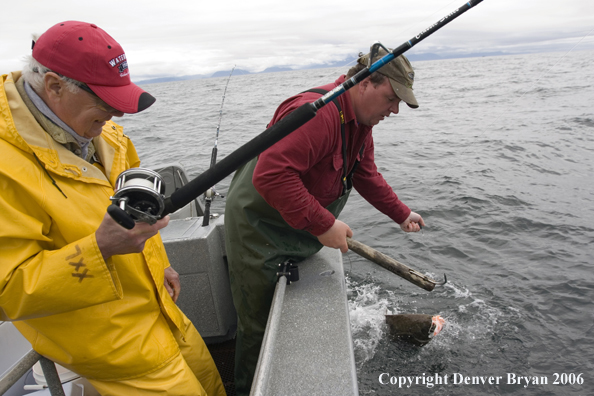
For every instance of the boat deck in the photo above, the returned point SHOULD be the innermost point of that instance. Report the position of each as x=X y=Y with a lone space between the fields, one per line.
x=224 y=356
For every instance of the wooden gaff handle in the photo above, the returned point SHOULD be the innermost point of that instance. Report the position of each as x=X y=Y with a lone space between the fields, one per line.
x=391 y=265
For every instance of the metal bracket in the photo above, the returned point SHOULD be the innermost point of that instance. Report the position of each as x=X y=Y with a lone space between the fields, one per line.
x=289 y=270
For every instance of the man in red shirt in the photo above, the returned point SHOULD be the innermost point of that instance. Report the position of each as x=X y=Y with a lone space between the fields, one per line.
x=285 y=203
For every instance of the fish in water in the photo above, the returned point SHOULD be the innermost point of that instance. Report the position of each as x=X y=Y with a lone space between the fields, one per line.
x=418 y=329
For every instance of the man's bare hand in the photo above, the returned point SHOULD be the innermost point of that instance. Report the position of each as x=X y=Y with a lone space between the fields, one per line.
x=413 y=223
x=336 y=236
x=172 y=283
x=113 y=239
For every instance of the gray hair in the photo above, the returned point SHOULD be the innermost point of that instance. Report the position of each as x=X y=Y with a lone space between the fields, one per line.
x=33 y=73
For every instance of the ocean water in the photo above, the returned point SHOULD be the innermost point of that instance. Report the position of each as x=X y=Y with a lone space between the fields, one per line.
x=499 y=161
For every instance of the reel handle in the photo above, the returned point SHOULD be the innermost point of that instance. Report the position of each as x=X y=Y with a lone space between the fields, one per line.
x=121 y=217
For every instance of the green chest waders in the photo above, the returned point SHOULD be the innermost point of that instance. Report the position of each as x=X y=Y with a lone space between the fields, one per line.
x=257 y=240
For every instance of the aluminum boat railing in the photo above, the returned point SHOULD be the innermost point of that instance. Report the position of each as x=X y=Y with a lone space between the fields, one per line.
x=50 y=372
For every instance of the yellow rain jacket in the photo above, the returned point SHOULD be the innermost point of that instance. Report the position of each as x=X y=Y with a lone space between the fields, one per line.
x=99 y=319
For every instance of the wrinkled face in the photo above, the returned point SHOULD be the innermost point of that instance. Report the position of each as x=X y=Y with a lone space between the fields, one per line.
x=376 y=102
x=82 y=111
x=86 y=113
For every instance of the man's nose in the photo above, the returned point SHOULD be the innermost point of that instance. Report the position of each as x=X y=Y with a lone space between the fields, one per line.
x=395 y=108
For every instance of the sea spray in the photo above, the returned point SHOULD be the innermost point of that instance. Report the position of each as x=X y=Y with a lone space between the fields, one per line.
x=366 y=310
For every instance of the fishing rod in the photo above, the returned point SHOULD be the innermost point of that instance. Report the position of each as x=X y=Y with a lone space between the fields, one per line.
x=211 y=193
x=149 y=206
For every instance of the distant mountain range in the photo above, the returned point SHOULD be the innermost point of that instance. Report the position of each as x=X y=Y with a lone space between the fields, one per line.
x=345 y=62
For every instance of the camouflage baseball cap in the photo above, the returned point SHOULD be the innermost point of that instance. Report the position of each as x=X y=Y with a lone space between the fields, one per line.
x=400 y=73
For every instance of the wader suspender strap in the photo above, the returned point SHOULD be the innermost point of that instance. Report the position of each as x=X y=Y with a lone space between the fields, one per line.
x=346 y=178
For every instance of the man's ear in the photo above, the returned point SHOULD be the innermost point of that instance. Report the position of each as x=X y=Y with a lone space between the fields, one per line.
x=53 y=86
x=363 y=85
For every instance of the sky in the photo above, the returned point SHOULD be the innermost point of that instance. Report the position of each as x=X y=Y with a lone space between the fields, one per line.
x=188 y=37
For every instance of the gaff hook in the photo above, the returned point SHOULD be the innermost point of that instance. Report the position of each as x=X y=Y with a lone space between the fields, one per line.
x=427 y=279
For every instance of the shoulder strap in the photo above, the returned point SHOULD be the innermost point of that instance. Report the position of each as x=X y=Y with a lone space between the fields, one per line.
x=342 y=134
x=335 y=101
x=346 y=179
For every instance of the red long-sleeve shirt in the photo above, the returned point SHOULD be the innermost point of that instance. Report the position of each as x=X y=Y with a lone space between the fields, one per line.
x=301 y=174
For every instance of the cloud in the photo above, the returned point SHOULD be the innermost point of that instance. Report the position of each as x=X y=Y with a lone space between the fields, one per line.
x=189 y=37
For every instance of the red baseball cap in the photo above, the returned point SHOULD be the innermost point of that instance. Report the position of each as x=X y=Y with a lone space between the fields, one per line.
x=86 y=53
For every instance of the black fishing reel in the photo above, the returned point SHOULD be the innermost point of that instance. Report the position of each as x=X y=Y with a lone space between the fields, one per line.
x=138 y=197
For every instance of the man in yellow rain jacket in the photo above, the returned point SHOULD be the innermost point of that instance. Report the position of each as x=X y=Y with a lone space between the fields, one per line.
x=88 y=294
